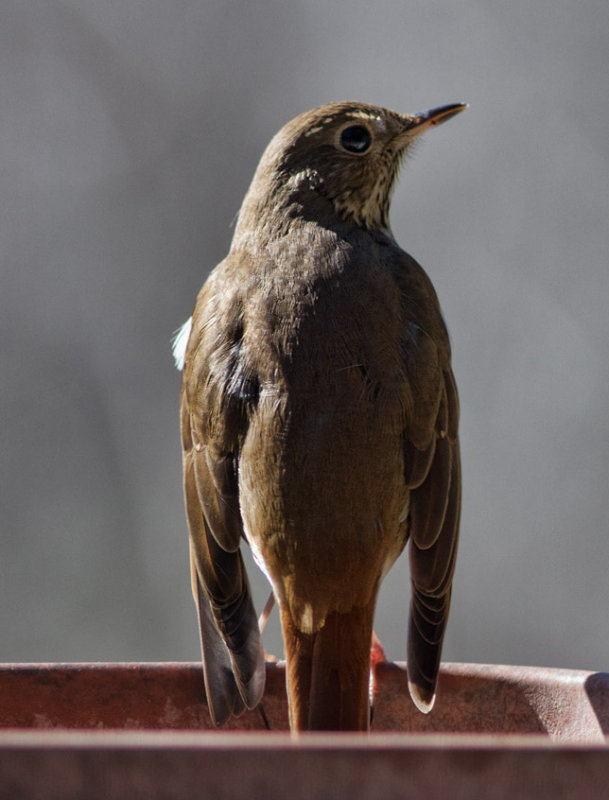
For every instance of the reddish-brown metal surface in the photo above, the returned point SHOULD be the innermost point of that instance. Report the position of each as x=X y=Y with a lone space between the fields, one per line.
x=142 y=730
x=133 y=696
x=129 y=765
x=473 y=698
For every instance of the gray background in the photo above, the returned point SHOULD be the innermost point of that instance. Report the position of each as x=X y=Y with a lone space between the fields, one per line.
x=129 y=132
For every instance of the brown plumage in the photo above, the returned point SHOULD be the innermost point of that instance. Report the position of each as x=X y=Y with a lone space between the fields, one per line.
x=319 y=419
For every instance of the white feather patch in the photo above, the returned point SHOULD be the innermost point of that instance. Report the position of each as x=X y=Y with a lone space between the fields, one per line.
x=179 y=343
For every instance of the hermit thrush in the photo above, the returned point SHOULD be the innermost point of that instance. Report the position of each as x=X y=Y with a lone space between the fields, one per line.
x=319 y=419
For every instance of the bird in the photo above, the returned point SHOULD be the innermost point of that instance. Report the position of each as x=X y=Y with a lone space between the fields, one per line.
x=319 y=424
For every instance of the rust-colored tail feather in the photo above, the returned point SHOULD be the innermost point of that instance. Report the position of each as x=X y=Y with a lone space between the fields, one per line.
x=329 y=671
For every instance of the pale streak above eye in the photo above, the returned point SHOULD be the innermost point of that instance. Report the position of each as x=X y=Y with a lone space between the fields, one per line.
x=313 y=130
x=364 y=115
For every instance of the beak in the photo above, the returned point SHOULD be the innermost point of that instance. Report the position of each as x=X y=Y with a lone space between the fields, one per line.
x=424 y=120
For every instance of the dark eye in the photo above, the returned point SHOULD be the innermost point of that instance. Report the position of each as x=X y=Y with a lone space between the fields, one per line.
x=356 y=139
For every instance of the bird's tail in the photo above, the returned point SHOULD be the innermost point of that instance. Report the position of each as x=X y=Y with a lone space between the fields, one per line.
x=328 y=671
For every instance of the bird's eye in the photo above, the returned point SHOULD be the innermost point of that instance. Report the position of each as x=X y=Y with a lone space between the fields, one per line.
x=356 y=139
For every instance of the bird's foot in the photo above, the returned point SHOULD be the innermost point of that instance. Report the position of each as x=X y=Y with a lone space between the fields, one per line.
x=377 y=656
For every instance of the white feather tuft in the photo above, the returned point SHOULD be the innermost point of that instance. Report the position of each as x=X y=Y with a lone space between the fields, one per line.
x=179 y=343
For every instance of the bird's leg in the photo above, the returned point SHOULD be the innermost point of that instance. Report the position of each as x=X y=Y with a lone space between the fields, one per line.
x=262 y=621
x=377 y=653
x=266 y=612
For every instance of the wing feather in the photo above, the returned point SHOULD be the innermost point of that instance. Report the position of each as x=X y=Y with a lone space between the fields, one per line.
x=435 y=505
x=233 y=656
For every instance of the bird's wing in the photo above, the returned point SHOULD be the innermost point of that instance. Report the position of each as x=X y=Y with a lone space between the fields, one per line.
x=212 y=420
x=433 y=473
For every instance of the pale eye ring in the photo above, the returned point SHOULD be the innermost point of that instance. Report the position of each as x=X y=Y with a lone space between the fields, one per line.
x=355 y=139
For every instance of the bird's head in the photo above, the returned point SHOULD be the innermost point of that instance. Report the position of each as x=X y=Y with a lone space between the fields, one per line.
x=342 y=158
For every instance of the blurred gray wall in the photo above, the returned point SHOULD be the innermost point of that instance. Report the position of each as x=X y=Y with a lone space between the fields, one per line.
x=128 y=134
